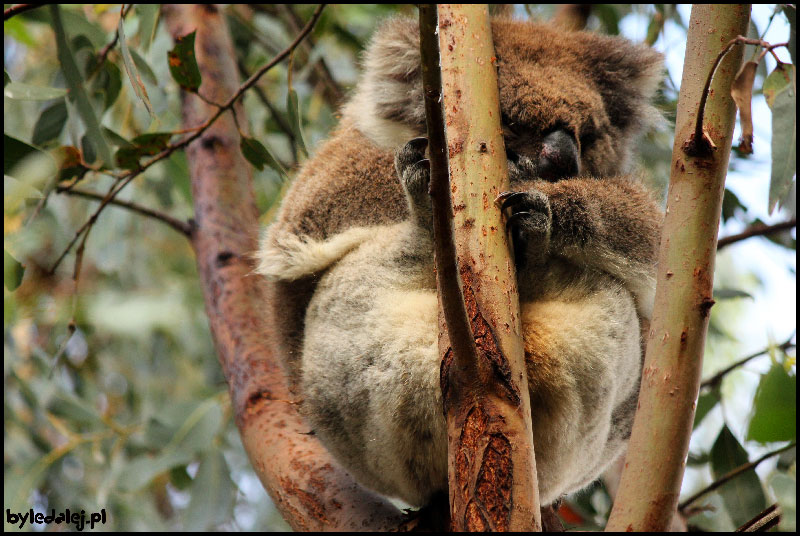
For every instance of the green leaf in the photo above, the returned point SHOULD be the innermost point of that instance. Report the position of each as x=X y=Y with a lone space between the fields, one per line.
x=14 y=151
x=144 y=145
x=74 y=409
x=81 y=25
x=778 y=80
x=12 y=272
x=20 y=91
x=293 y=109
x=148 y=17
x=144 y=69
x=730 y=204
x=212 y=494
x=784 y=144
x=705 y=403
x=791 y=16
x=258 y=155
x=107 y=83
x=133 y=72
x=743 y=495
x=50 y=123
x=774 y=407
x=77 y=91
x=183 y=63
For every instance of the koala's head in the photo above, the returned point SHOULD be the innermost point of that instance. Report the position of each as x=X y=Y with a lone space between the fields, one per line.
x=571 y=102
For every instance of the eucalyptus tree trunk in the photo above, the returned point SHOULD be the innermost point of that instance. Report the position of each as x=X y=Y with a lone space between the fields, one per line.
x=651 y=479
x=491 y=464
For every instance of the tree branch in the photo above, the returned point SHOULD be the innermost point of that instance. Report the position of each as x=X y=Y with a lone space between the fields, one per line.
x=716 y=378
x=733 y=474
x=19 y=8
x=182 y=227
x=759 y=229
x=198 y=131
x=307 y=485
x=764 y=521
x=659 y=443
x=491 y=465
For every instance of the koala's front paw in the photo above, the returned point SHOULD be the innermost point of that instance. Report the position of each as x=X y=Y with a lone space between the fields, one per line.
x=414 y=171
x=530 y=223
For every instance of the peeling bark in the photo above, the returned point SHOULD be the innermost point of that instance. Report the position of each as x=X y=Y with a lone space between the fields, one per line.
x=491 y=467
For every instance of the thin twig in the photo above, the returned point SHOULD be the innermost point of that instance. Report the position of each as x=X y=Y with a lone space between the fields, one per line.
x=179 y=225
x=764 y=521
x=699 y=144
x=759 y=229
x=101 y=58
x=19 y=8
x=716 y=378
x=733 y=474
x=127 y=177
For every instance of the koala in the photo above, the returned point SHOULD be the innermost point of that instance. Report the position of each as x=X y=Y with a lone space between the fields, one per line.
x=349 y=259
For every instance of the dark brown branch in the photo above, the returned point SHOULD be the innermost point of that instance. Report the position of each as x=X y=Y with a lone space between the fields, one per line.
x=730 y=475
x=699 y=144
x=759 y=229
x=19 y=8
x=126 y=178
x=181 y=226
x=458 y=327
x=764 y=521
x=716 y=378
x=321 y=73
x=103 y=55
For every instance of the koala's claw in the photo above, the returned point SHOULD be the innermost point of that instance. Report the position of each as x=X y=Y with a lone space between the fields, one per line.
x=506 y=199
x=414 y=171
x=419 y=144
x=530 y=224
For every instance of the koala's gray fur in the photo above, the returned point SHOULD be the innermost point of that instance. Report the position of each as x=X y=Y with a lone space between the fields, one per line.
x=350 y=262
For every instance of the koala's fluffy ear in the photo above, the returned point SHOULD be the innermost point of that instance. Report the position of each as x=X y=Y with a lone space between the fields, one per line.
x=627 y=76
x=388 y=105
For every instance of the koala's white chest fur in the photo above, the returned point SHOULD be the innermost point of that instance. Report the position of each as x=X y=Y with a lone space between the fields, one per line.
x=370 y=370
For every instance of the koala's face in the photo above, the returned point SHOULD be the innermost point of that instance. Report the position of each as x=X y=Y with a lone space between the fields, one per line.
x=571 y=102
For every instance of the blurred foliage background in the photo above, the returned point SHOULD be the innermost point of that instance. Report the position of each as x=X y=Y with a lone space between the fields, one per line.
x=113 y=397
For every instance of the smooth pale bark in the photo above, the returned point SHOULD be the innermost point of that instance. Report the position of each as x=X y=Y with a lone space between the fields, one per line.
x=492 y=473
x=654 y=466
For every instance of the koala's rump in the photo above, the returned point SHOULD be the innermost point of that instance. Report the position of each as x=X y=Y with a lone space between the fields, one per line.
x=370 y=376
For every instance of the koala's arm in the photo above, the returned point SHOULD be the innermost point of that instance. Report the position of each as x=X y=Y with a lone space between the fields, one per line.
x=612 y=225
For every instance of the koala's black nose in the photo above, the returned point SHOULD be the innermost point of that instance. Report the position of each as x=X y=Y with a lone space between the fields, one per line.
x=559 y=158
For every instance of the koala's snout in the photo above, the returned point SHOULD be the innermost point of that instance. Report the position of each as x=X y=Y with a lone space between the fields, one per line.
x=559 y=158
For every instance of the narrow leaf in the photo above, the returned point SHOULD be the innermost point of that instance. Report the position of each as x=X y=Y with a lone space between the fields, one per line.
x=730 y=293
x=705 y=403
x=183 y=63
x=77 y=91
x=258 y=155
x=743 y=495
x=742 y=93
x=212 y=494
x=784 y=145
x=148 y=17
x=50 y=123
x=133 y=72
x=20 y=91
x=293 y=108
x=777 y=81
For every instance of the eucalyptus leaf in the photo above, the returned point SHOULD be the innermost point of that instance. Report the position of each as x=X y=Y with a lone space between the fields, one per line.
x=774 y=407
x=13 y=272
x=50 y=123
x=183 y=63
x=133 y=72
x=742 y=495
x=77 y=91
x=20 y=91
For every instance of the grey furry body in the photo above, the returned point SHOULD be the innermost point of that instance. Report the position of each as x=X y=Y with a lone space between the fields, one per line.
x=350 y=261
